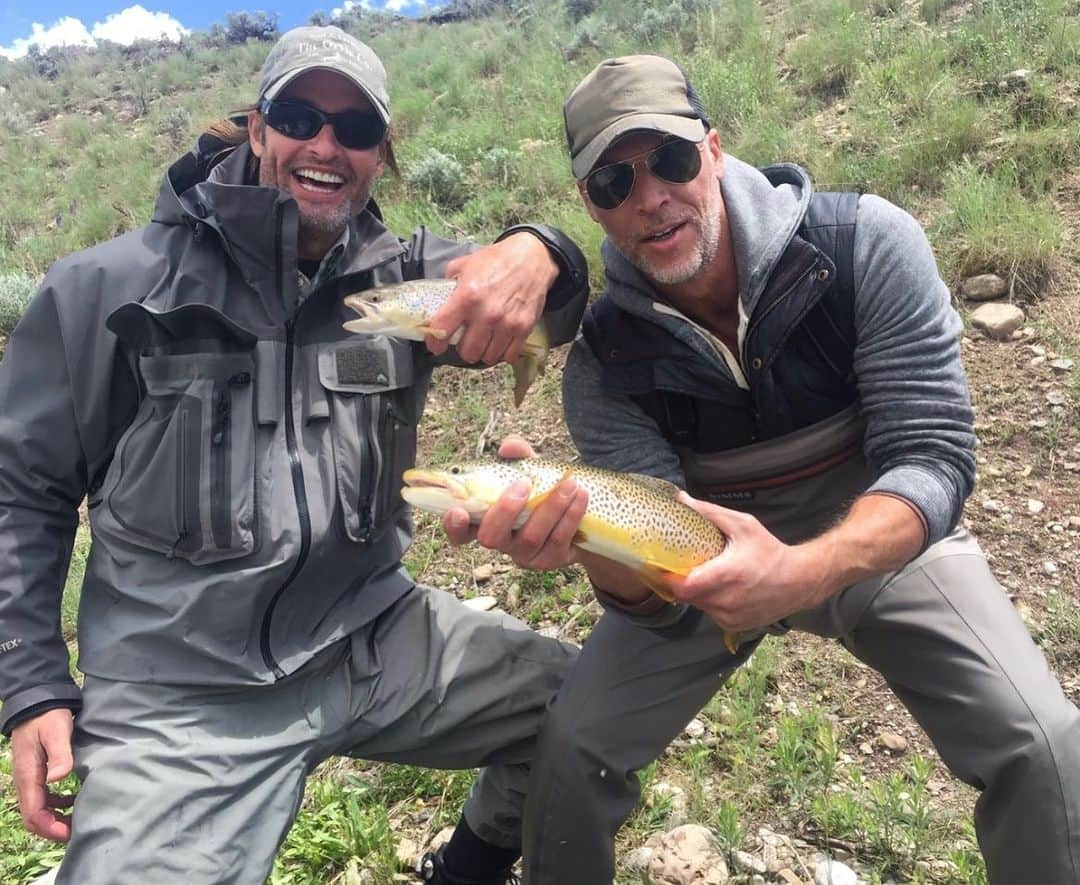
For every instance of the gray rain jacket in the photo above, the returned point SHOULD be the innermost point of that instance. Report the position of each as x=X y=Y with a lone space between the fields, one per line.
x=241 y=454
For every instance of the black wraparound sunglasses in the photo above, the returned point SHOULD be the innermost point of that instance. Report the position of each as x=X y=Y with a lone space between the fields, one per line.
x=676 y=161
x=355 y=130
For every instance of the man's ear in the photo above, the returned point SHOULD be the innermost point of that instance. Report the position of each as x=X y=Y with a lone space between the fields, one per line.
x=589 y=207
x=256 y=128
x=716 y=149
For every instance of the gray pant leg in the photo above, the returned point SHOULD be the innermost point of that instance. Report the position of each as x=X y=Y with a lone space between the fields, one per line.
x=184 y=785
x=437 y=684
x=955 y=652
x=632 y=691
x=197 y=785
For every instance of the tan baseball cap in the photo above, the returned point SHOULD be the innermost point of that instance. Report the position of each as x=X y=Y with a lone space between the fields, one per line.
x=624 y=94
x=329 y=49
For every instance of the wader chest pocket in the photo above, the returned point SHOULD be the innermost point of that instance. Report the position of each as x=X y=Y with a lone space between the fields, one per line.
x=368 y=385
x=182 y=478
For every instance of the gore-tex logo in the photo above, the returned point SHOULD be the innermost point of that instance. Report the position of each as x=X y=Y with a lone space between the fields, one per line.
x=9 y=644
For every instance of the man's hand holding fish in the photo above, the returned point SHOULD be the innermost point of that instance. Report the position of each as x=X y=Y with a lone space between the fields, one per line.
x=545 y=540
x=498 y=299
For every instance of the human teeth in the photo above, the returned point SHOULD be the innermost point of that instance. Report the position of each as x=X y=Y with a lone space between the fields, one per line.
x=326 y=177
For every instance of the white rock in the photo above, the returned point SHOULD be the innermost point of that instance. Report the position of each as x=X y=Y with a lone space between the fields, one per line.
x=832 y=872
x=998 y=321
x=482 y=603
x=695 y=728
x=1035 y=506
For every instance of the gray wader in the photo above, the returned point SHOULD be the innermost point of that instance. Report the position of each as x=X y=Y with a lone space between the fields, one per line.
x=941 y=631
x=187 y=784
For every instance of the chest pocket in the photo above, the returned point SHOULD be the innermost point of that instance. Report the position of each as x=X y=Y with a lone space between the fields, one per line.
x=182 y=478
x=372 y=409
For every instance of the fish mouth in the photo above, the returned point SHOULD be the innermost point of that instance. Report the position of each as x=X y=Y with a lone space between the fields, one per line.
x=367 y=309
x=426 y=481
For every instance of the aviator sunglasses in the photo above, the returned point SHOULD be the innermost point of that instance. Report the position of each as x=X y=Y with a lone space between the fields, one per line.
x=355 y=130
x=676 y=162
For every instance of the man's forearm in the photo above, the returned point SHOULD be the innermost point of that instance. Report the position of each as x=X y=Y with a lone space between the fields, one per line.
x=880 y=533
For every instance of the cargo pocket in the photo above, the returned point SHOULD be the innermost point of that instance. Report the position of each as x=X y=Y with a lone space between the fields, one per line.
x=182 y=479
x=371 y=409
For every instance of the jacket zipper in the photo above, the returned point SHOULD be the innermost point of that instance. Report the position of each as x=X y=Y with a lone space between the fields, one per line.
x=753 y=328
x=220 y=452
x=181 y=497
x=295 y=467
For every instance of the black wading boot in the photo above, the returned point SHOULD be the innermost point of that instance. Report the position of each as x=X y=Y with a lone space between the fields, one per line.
x=432 y=869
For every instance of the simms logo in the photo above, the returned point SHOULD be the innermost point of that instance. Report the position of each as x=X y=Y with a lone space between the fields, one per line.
x=9 y=644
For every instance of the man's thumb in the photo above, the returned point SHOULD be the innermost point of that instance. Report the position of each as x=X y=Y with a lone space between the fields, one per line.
x=58 y=757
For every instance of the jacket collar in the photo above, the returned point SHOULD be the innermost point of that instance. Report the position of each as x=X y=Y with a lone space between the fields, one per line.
x=208 y=187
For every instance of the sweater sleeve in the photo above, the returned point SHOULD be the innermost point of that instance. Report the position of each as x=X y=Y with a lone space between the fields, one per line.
x=911 y=382
x=42 y=480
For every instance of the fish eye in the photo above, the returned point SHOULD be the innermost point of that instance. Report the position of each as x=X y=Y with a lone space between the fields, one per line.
x=455 y=469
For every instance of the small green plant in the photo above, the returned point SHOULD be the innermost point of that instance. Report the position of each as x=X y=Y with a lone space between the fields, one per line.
x=175 y=125
x=730 y=830
x=337 y=826
x=439 y=177
x=16 y=289
x=804 y=757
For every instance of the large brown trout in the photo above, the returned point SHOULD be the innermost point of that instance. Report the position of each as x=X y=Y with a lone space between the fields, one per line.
x=634 y=520
x=404 y=310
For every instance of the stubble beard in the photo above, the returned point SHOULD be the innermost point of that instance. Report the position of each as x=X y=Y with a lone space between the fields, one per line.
x=328 y=222
x=703 y=252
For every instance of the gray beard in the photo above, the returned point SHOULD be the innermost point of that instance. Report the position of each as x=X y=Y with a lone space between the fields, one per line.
x=704 y=252
x=332 y=223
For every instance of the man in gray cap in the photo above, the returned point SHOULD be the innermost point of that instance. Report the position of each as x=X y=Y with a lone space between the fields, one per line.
x=791 y=359
x=245 y=614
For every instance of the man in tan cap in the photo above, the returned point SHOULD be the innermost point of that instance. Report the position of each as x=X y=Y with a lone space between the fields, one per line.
x=791 y=359
x=245 y=614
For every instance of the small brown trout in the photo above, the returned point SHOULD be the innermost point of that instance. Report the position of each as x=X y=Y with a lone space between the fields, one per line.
x=632 y=519
x=404 y=310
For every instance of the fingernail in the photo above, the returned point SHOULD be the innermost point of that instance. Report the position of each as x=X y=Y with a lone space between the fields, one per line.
x=459 y=520
x=567 y=489
x=519 y=490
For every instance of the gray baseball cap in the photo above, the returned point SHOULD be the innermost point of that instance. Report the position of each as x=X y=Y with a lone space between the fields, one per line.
x=625 y=94
x=329 y=49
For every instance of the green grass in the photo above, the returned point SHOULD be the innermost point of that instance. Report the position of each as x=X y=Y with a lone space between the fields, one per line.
x=900 y=99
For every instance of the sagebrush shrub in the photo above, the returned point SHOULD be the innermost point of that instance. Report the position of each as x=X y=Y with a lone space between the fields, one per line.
x=16 y=288
x=440 y=176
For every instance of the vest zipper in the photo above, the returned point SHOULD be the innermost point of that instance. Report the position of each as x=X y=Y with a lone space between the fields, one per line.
x=759 y=320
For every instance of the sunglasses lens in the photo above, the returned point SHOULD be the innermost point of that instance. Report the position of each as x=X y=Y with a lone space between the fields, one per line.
x=610 y=185
x=677 y=161
x=357 y=130
x=294 y=120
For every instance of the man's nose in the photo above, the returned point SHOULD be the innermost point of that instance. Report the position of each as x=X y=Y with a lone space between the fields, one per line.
x=325 y=140
x=649 y=192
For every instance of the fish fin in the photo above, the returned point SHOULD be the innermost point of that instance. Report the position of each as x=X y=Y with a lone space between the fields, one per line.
x=532 y=363
x=663 y=486
x=440 y=334
x=732 y=641
x=656 y=579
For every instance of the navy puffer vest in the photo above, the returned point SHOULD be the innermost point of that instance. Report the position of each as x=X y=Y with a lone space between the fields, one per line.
x=797 y=352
